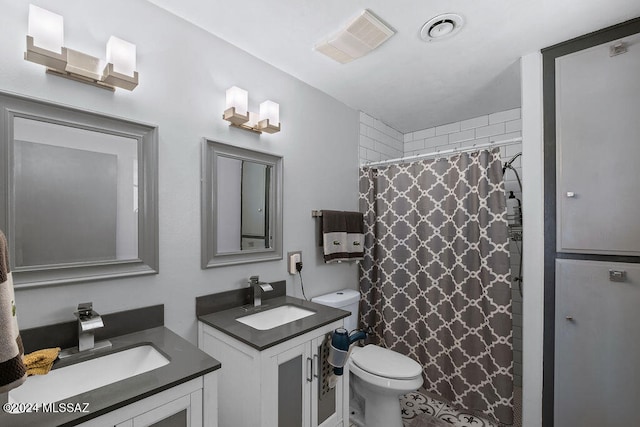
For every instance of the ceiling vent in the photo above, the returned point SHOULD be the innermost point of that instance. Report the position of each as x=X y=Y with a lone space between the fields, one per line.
x=441 y=27
x=360 y=37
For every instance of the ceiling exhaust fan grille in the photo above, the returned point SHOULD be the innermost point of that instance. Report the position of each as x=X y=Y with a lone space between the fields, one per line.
x=334 y=53
x=441 y=27
x=360 y=37
x=369 y=30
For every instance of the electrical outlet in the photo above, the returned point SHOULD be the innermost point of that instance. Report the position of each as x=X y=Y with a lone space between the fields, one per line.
x=292 y=259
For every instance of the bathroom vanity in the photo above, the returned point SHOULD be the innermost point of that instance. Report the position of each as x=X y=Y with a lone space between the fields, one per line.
x=275 y=376
x=179 y=391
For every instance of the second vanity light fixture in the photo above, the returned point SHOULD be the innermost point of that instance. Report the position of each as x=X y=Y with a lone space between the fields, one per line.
x=238 y=114
x=45 y=40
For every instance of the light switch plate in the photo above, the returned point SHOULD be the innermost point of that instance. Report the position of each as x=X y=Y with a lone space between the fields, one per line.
x=293 y=258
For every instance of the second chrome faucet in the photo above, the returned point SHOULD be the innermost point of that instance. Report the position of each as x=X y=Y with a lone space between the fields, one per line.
x=258 y=288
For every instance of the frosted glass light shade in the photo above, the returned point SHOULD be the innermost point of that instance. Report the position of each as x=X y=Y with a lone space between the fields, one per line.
x=253 y=120
x=270 y=110
x=238 y=99
x=46 y=28
x=122 y=55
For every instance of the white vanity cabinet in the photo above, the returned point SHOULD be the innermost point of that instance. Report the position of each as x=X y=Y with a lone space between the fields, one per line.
x=278 y=386
x=179 y=406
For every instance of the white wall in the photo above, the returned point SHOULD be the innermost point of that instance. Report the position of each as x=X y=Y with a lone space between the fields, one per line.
x=533 y=211
x=184 y=73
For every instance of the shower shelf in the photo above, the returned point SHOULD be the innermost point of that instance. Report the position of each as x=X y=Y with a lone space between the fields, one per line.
x=515 y=232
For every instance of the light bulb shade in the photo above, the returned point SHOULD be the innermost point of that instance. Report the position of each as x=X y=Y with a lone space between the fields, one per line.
x=122 y=55
x=46 y=28
x=270 y=110
x=253 y=120
x=239 y=99
x=84 y=65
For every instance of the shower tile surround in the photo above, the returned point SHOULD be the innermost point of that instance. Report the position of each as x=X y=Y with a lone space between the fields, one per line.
x=379 y=141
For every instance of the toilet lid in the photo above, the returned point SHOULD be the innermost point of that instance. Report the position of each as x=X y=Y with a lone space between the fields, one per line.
x=386 y=363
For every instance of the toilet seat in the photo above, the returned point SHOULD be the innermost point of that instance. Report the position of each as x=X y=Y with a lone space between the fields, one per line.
x=386 y=363
x=385 y=368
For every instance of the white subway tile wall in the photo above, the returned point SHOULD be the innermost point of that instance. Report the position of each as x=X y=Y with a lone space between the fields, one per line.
x=381 y=142
x=491 y=127
x=378 y=141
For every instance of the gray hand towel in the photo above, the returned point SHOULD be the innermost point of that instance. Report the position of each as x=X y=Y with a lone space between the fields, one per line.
x=12 y=369
x=342 y=236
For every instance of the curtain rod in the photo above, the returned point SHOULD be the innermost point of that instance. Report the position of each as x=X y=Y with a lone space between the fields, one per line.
x=449 y=151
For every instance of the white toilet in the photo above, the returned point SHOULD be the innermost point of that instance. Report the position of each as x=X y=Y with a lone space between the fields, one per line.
x=379 y=376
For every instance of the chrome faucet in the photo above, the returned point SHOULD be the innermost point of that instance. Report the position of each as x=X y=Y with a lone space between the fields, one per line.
x=88 y=322
x=258 y=288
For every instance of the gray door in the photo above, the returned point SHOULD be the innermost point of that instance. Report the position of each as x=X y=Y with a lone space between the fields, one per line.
x=597 y=363
x=598 y=149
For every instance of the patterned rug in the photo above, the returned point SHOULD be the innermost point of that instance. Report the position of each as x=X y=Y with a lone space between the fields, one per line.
x=421 y=410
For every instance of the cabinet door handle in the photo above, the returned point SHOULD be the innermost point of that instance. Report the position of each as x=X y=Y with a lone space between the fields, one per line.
x=617 y=275
x=316 y=363
x=571 y=194
x=309 y=369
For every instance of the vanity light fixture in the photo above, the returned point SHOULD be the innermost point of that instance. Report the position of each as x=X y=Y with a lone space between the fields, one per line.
x=238 y=114
x=45 y=40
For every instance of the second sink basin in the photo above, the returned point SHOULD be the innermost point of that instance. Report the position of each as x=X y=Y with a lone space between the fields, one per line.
x=274 y=317
x=81 y=377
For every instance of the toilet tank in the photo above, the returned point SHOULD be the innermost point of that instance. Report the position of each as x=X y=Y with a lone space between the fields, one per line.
x=345 y=299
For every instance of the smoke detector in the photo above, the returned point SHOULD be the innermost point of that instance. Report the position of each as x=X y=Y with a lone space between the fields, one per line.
x=441 y=27
x=360 y=37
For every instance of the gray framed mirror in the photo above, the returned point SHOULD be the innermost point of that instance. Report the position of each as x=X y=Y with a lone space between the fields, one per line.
x=241 y=205
x=79 y=195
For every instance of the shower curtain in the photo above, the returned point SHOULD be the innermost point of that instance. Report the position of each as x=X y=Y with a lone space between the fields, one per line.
x=435 y=279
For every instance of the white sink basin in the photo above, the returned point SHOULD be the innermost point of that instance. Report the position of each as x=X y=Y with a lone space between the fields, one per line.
x=60 y=384
x=275 y=317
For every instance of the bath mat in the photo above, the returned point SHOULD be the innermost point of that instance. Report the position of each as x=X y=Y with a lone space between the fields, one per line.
x=415 y=404
x=425 y=420
x=424 y=410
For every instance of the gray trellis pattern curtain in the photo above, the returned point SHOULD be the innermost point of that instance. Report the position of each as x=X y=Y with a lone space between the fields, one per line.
x=435 y=279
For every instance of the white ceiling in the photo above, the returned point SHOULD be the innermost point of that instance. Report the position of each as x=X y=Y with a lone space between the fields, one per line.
x=407 y=83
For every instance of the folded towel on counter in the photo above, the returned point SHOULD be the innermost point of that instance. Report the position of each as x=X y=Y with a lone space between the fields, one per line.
x=40 y=362
x=12 y=369
x=342 y=236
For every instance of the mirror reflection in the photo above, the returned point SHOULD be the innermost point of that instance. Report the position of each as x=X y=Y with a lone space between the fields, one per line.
x=241 y=205
x=75 y=195
x=243 y=199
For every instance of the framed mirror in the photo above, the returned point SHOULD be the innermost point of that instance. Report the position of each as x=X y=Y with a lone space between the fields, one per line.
x=79 y=196
x=241 y=205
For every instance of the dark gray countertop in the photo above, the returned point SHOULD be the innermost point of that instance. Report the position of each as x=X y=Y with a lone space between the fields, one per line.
x=226 y=322
x=186 y=363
